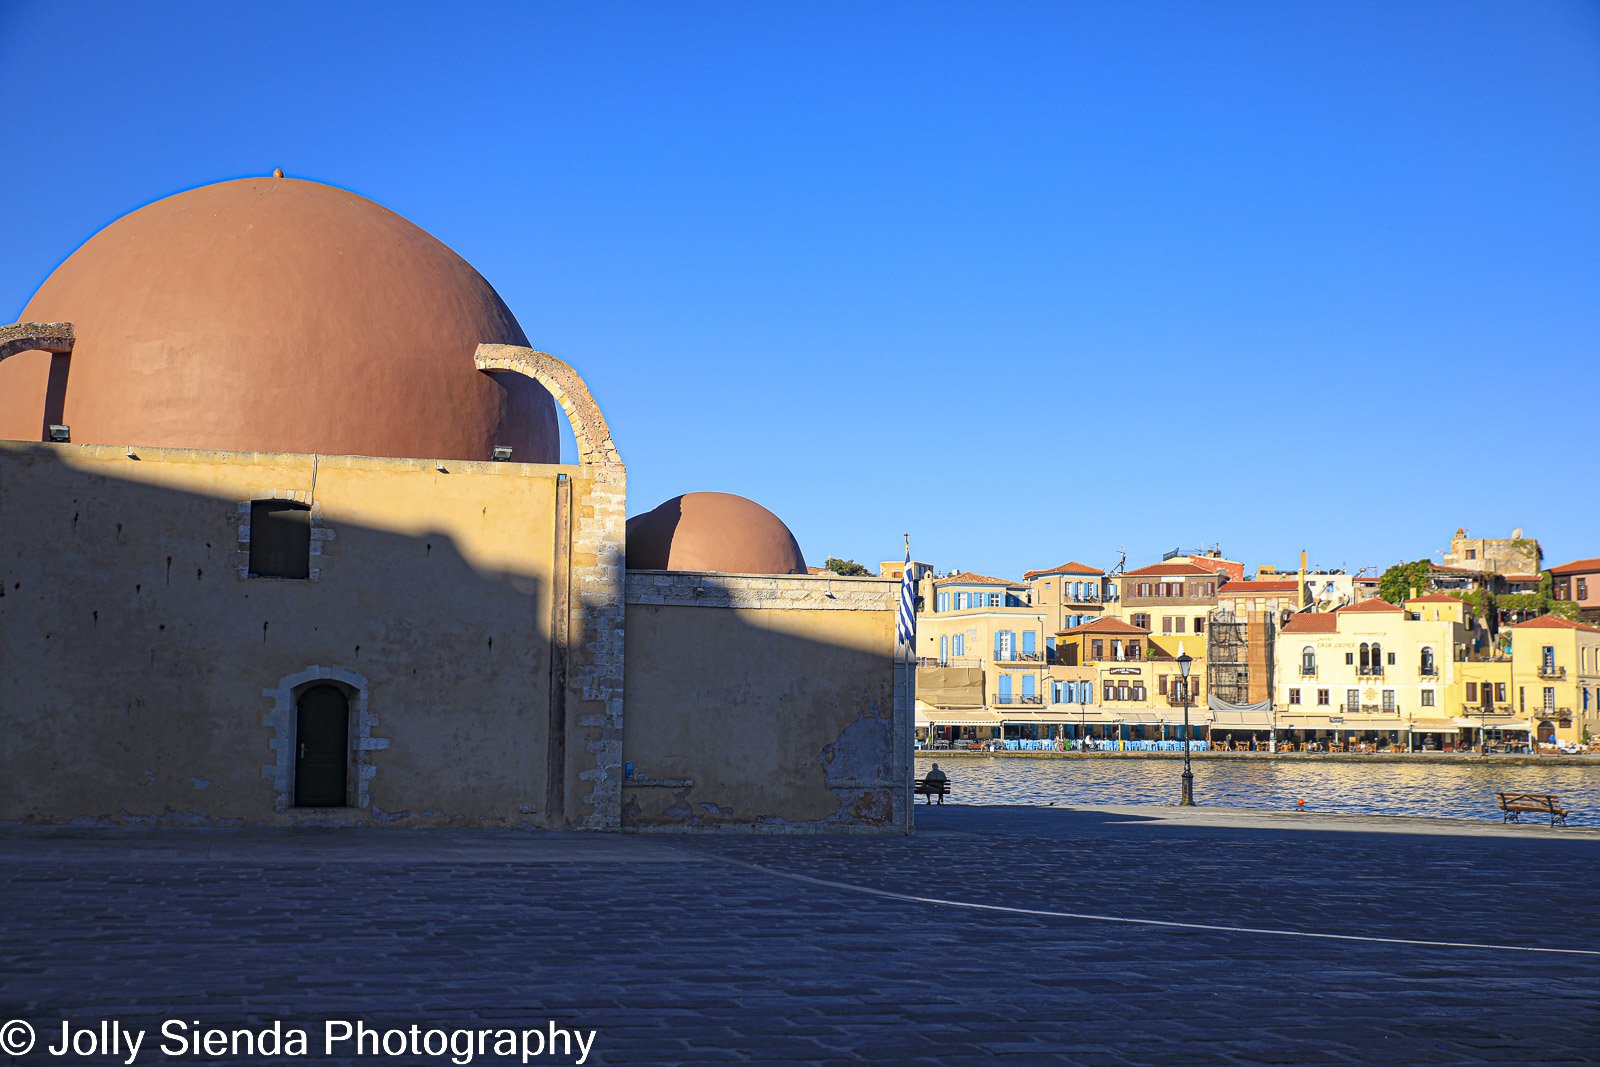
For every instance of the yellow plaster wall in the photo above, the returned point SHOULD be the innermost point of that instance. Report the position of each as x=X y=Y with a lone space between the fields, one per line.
x=769 y=717
x=135 y=655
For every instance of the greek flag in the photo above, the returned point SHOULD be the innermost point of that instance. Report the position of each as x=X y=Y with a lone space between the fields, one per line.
x=906 y=631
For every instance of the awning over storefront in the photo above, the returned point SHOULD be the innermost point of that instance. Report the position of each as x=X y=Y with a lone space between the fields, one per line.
x=1241 y=718
x=1047 y=718
x=951 y=687
x=1162 y=718
x=956 y=717
x=1336 y=723
x=1433 y=726
x=1493 y=722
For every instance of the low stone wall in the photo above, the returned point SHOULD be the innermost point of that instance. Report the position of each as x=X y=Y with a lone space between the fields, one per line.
x=762 y=702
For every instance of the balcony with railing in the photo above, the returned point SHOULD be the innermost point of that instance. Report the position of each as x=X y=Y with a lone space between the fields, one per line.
x=1550 y=672
x=1022 y=659
x=1308 y=670
x=1017 y=698
x=1369 y=709
x=1428 y=672
x=1374 y=671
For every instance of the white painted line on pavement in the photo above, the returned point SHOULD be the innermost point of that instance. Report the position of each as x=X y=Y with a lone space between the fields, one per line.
x=1088 y=917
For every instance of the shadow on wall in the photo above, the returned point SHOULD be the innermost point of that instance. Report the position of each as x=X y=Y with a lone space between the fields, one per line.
x=741 y=688
x=136 y=654
x=145 y=679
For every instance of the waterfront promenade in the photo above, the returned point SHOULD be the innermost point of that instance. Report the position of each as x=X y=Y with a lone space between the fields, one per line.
x=699 y=949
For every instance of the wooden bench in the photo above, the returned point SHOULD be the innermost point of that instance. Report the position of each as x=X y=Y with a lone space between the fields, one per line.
x=939 y=787
x=1514 y=804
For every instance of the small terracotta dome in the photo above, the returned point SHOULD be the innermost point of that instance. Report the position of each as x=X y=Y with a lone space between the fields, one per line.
x=276 y=315
x=713 y=532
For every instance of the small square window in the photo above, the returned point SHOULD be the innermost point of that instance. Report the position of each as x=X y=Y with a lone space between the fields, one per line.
x=280 y=539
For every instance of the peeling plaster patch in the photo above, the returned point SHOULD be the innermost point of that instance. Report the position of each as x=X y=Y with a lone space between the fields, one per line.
x=716 y=810
x=200 y=783
x=149 y=777
x=860 y=755
x=681 y=810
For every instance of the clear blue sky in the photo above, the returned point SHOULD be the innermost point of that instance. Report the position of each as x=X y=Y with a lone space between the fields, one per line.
x=1031 y=281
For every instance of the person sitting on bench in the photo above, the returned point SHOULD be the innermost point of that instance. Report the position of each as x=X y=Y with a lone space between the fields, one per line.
x=935 y=783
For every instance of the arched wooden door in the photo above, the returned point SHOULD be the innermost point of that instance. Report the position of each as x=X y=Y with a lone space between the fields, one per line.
x=322 y=747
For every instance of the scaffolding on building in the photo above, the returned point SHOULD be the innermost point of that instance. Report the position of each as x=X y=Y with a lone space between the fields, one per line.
x=1227 y=652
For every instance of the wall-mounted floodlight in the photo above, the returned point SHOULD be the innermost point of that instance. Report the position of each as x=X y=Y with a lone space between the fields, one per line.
x=60 y=433
x=502 y=454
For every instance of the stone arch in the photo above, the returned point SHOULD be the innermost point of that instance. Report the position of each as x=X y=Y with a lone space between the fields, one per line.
x=281 y=720
x=56 y=337
x=588 y=425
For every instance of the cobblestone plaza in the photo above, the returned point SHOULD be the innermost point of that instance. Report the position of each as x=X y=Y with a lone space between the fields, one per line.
x=802 y=949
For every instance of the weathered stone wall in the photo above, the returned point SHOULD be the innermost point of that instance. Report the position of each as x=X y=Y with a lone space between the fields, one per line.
x=590 y=519
x=145 y=677
x=764 y=702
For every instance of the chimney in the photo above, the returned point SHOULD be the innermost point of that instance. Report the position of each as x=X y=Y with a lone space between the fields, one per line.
x=1300 y=600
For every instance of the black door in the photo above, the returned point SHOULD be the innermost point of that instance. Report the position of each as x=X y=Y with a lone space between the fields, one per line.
x=322 y=734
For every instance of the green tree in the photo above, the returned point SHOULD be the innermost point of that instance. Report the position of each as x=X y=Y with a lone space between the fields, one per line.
x=845 y=566
x=1396 y=583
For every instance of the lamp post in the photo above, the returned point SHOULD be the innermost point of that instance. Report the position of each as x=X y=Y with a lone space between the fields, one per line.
x=1185 y=661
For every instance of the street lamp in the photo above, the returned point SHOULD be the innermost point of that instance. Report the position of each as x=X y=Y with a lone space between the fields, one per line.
x=1185 y=661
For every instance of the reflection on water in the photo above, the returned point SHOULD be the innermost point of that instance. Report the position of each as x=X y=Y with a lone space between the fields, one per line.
x=1453 y=790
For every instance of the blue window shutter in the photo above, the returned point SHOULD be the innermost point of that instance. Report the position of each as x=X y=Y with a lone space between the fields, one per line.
x=1030 y=642
x=998 y=636
x=1029 y=685
x=1005 y=685
x=944 y=647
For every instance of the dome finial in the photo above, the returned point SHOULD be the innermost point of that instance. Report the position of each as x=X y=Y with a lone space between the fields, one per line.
x=277 y=172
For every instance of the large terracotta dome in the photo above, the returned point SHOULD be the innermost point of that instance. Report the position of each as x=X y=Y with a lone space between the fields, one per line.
x=713 y=532
x=271 y=314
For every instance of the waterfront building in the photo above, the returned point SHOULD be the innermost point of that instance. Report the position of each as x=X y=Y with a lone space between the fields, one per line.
x=1555 y=677
x=1239 y=648
x=1211 y=560
x=1373 y=672
x=982 y=651
x=1110 y=679
x=1326 y=590
x=1173 y=600
x=1579 y=582
x=1069 y=595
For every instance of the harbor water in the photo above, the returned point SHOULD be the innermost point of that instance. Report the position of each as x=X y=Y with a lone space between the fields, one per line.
x=1424 y=788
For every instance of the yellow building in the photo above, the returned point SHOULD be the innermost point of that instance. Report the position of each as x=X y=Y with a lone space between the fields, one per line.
x=1173 y=600
x=1555 y=678
x=982 y=649
x=1110 y=681
x=1069 y=595
x=1373 y=673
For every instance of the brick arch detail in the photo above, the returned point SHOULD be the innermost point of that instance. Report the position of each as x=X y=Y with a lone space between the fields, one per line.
x=56 y=337
x=564 y=384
